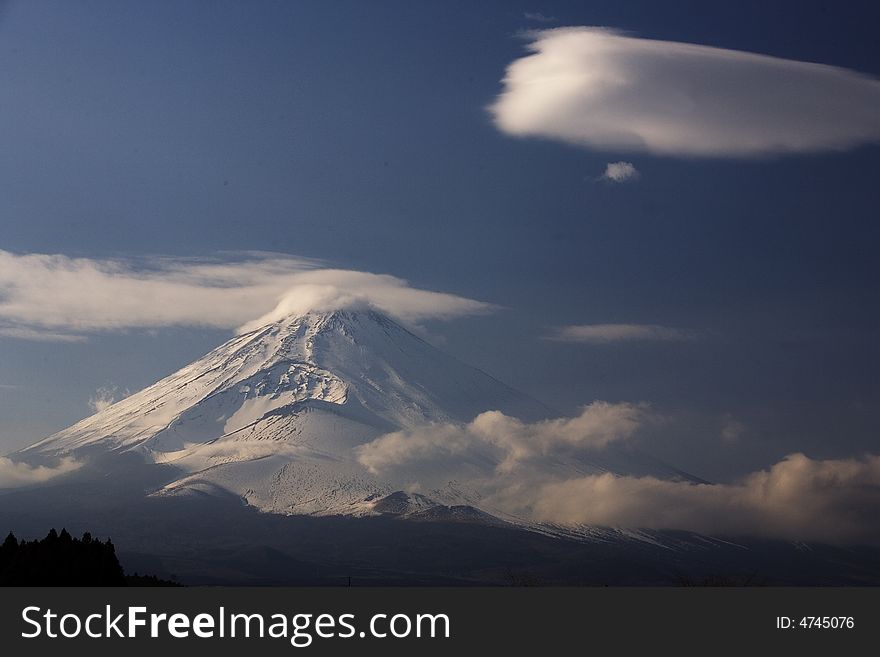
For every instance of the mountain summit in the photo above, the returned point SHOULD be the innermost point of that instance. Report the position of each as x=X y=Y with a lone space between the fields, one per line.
x=275 y=415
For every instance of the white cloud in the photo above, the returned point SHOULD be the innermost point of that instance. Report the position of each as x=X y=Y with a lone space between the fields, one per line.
x=618 y=172
x=604 y=90
x=13 y=474
x=519 y=469
x=731 y=429
x=328 y=289
x=507 y=440
x=538 y=17
x=835 y=501
x=105 y=397
x=606 y=333
x=25 y=333
x=56 y=297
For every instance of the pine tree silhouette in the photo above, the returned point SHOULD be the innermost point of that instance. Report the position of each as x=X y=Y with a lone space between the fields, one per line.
x=59 y=560
x=62 y=560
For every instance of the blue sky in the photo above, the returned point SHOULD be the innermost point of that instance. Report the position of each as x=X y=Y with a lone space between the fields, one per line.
x=358 y=134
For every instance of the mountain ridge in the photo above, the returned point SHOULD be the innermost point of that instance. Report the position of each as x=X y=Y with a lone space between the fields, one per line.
x=276 y=415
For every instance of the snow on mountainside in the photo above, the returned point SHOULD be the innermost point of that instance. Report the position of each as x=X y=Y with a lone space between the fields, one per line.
x=361 y=361
x=274 y=416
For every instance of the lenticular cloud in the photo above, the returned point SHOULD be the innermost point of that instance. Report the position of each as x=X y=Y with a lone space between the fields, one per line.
x=56 y=297
x=601 y=89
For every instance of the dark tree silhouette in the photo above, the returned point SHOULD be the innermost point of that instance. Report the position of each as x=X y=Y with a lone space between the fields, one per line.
x=59 y=560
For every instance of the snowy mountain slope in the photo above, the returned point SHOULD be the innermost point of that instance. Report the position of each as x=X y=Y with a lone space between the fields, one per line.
x=394 y=378
x=274 y=417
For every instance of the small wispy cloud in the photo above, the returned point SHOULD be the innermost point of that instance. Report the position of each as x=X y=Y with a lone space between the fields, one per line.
x=607 y=333
x=105 y=397
x=14 y=474
x=538 y=17
x=731 y=429
x=619 y=172
x=24 y=333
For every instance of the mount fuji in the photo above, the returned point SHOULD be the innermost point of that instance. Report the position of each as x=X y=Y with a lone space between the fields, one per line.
x=275 y=416
x=243 y=467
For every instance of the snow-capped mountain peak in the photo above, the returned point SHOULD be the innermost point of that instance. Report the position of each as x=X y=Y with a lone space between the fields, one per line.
x=275 y=415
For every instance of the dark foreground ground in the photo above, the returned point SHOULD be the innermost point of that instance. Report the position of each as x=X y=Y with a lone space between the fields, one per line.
x=208 y=541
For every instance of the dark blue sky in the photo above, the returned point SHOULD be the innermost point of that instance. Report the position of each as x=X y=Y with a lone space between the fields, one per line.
x=357 y=133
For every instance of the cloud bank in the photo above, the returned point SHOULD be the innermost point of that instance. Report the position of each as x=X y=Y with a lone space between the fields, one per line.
x=56 y=297
x=798 y=498
x=14 y=474
x=604 y=90
x=511 y=441
x=833 y=501
x=619 y=172
x=606 y=333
